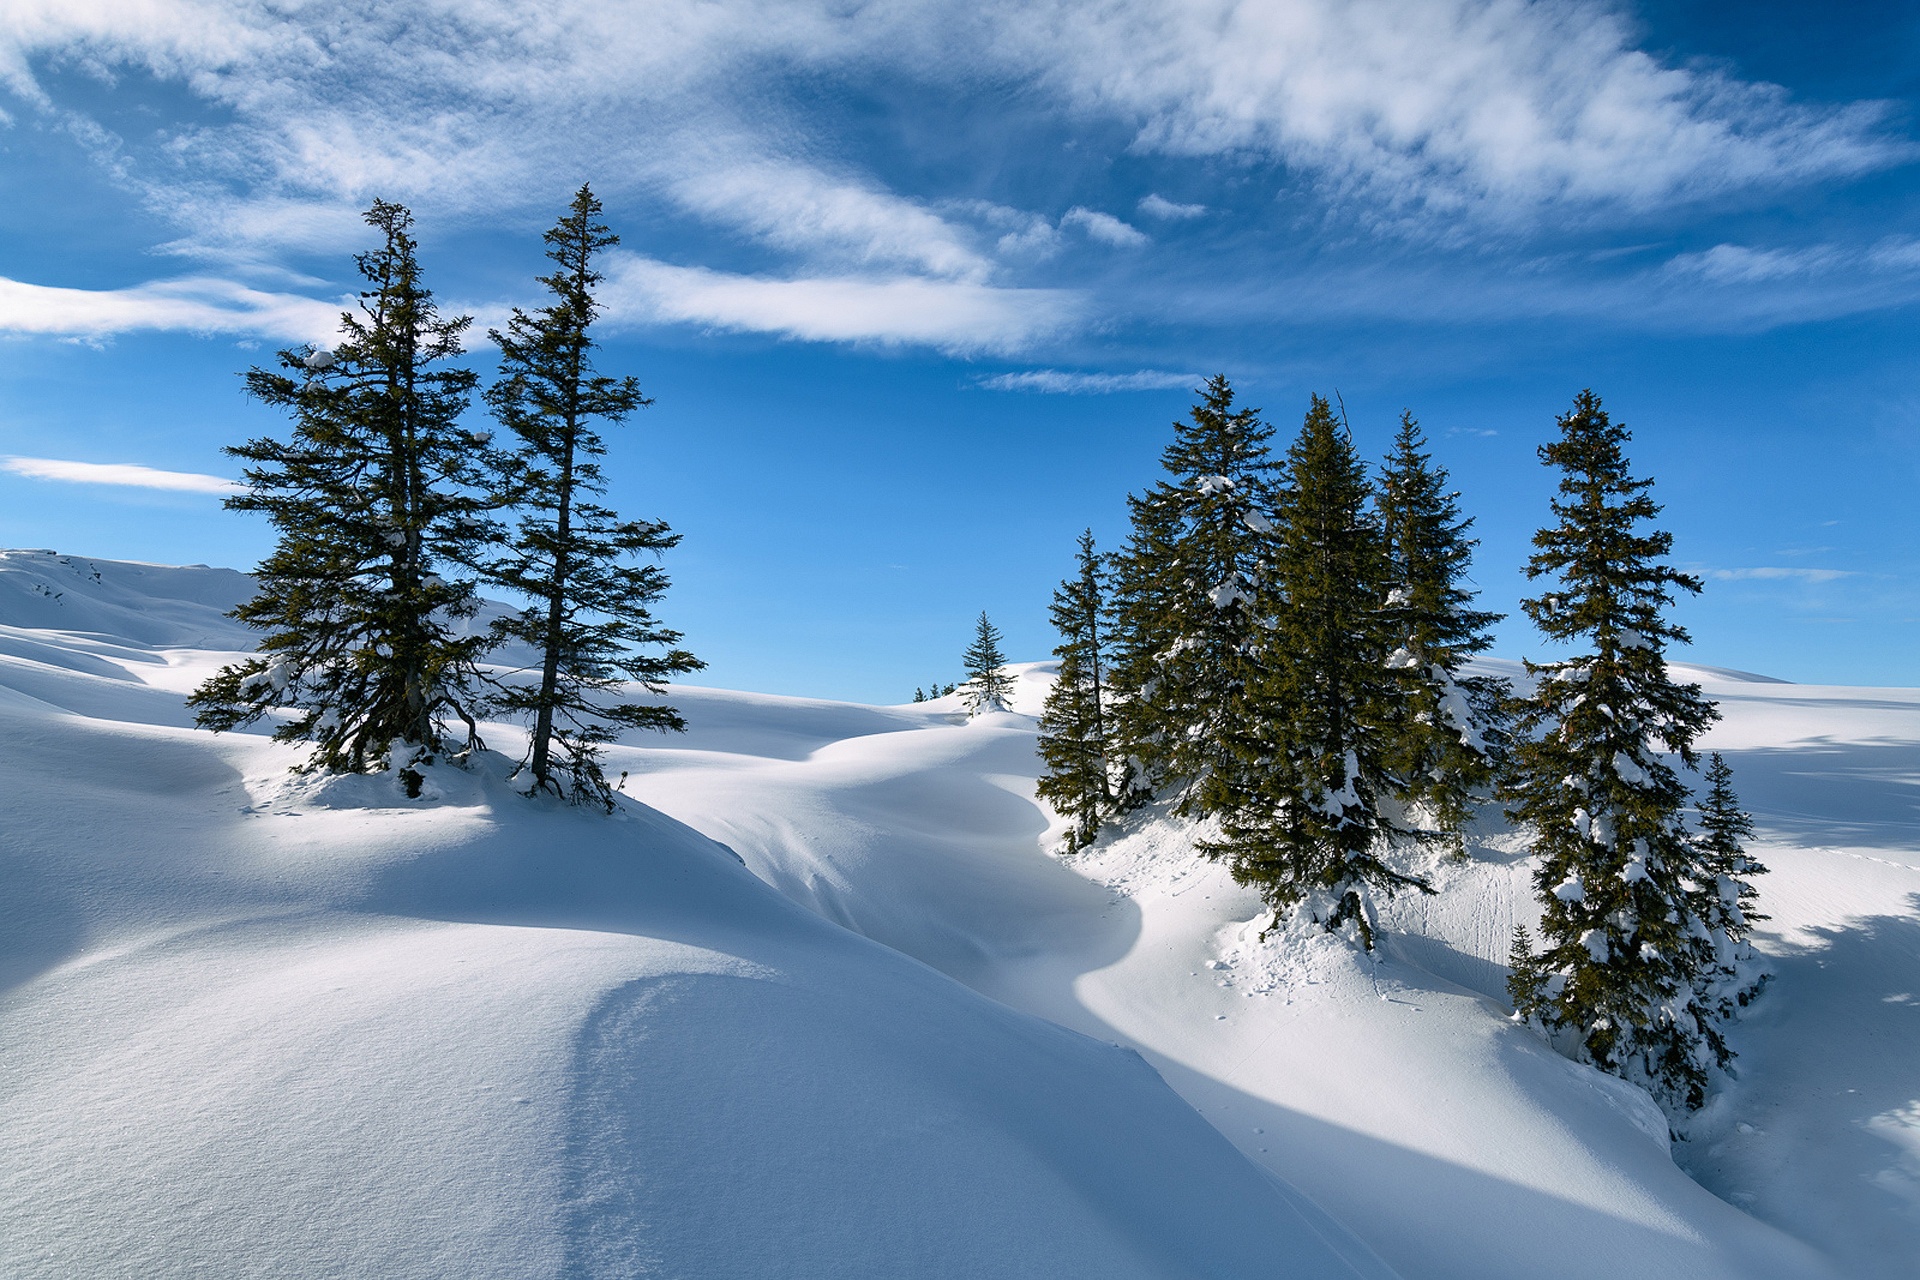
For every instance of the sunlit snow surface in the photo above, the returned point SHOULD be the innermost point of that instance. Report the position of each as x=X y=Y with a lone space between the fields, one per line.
x=260 y=1025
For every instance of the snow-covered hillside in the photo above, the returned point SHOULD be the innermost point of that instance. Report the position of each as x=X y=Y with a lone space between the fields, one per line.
x=258 y=1025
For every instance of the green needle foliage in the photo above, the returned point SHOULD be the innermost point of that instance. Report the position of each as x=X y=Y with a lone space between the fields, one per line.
x=372 y=494
x=988 y=687
x=576 y=559
x=1622 y=975
x=1073 y=723
x=1311 y=820
x=1184 y=600
x=1450 y=730
x=1727 y=892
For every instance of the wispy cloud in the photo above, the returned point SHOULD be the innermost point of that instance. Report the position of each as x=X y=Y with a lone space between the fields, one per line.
x=1104 y=227
x=198 y=304
x=127 y=474
x=1063 y=382
x=1779 y=573
x=953 y=315
x=1155 y=205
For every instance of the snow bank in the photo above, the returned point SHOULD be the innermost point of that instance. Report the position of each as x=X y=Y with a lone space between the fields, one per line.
x=255 y=1026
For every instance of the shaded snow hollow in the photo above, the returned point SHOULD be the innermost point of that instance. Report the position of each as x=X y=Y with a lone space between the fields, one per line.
x=253 y=1025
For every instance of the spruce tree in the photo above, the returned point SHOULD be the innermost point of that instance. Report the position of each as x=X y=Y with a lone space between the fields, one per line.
x=1314 y=818
x=371 y=497
x=1727 y=894
x=988 y=687
x=1450 y=728
x=589 y=573
x=1184 y=596
x=1620 y=977
x=1073 y=723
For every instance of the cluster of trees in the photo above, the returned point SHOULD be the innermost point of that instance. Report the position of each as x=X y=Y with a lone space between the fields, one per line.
x=1280 y=652
x=390 y=514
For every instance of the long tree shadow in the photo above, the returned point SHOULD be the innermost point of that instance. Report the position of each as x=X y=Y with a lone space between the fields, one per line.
x=1829 y=1095
x=1823 y=791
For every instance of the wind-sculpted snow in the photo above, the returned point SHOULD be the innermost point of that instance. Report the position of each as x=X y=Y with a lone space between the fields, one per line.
x=1395 y=1091
x=254 y=1024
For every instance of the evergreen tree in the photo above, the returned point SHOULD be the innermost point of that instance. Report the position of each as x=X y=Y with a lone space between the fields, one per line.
x=1314 y=816
x=1073 y=722
x=1451 y=725
x=575 y=558
x=371 y=496
x=988 y=686
x=1727 y=893
x=1184 y=604
x=1620 y=976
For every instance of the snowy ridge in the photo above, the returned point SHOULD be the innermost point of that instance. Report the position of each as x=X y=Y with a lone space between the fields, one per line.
x=252 y=1024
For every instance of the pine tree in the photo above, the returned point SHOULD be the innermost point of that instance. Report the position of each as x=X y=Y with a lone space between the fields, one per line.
x=1620 y=974
x=1727 y=895
x=373 y=495
x=1073 y=722
x=988 y=686
x=1451 y=727
x=1314 y=816
x=1184 y=603
x=575 y=558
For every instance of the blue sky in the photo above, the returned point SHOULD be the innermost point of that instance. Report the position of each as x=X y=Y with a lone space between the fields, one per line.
x=919 y=287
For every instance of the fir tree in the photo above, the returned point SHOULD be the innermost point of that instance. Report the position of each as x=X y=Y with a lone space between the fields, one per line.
x=988 y=686
x=371 y=496
x=1073 y=722
x=1620 y=978
x=1184 y=603
x=1314 y=817
x=575 y=558
x=1451 y=725
x=1727 y=894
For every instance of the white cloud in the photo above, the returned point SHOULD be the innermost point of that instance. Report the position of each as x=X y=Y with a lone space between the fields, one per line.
x=129 y=474
x=1485 y=106
x=1779 y=572
x=1062 y=382
x=1104 y=227
x=952 y=315
x=197 y=304
x=1155 y=205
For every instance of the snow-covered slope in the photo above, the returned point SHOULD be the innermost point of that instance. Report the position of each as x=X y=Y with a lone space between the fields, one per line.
x=252 y=1025
x=259 y=1026
x=1395 y=1092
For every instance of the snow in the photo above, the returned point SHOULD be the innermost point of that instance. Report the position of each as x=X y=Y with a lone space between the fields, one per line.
x=253 y=1024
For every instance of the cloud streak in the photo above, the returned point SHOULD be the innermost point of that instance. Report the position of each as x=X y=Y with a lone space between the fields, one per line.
x=1063 y=382
x=1779 y=573
x=126 y=474
x=197 y=304
x=958 y=316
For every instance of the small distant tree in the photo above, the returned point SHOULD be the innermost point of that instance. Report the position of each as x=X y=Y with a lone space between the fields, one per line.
x=1450 y=726
x=1073 y=722
x=1621 y=971
x=374 y=494
x=590 y=574
x=1184 y=593
x=988 y=687
x=1316 y=810
x=1727 y=895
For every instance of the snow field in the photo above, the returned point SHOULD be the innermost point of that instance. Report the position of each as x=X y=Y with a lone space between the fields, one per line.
x=259 y=1025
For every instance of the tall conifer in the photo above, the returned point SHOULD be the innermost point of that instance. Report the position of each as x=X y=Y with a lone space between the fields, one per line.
x=1727 y=894
x=988 y=686
x=1450 y=724
x=575 y=558
x=1073 y=723
x=371 y=497
x=1314 y=817
x=1620 y=978
x=1184 y=602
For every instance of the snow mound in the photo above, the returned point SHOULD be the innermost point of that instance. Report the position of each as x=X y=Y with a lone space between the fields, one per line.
x=253 y=1024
